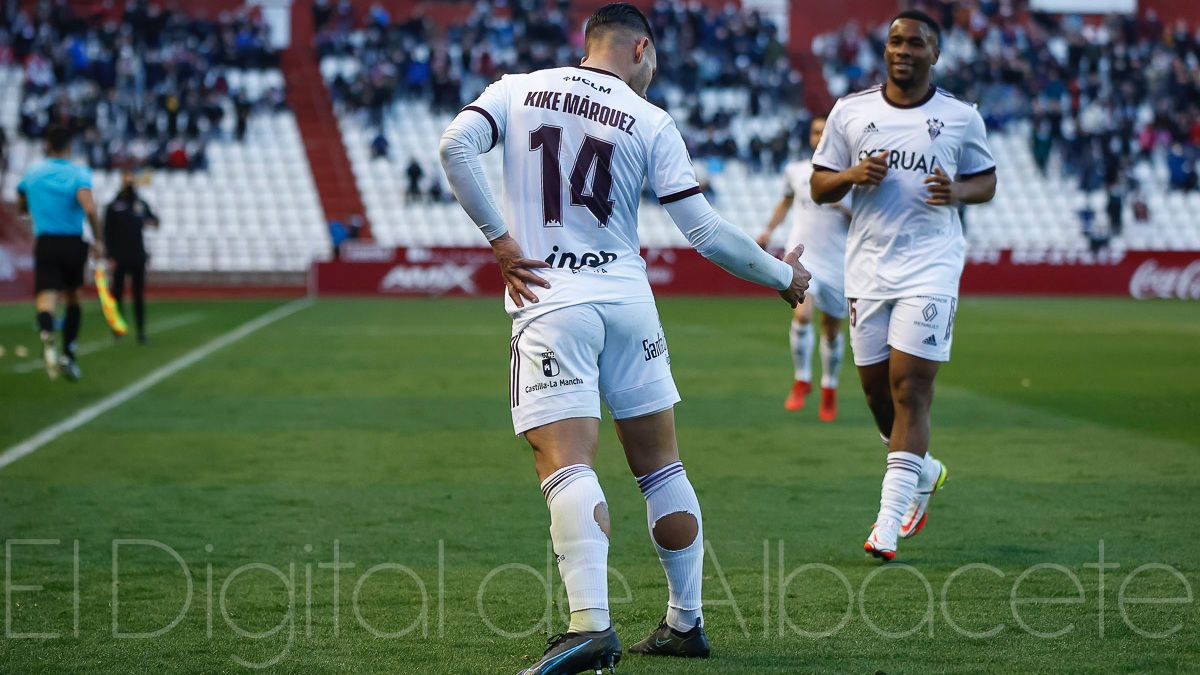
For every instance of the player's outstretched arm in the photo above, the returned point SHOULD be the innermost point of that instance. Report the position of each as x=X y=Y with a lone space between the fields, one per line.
x=946 y=192
x=734 y=251
x=794 y=294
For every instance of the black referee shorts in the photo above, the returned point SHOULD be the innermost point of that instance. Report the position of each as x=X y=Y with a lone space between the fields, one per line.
x=58 y=262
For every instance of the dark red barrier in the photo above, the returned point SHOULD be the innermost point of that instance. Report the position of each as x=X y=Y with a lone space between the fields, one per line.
x=472 y=271
x=1139 y=274
x=16 y=271
x=369 y=270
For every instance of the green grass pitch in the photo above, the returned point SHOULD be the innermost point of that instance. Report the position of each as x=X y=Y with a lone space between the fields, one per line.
x=206 y=510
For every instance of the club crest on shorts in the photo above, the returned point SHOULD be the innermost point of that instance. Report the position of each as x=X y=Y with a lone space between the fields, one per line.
x=549 y=364
x=935 y=128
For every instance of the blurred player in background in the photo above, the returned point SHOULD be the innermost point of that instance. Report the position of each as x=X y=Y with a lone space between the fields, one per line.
x=911 y=152
x=822 y=229
x=579 y=143
x=58 y=195
x=124 y=220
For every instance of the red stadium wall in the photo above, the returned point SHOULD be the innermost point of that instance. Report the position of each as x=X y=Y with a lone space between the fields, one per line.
x=1170 y=10
x=370 y=270
x=16 y=271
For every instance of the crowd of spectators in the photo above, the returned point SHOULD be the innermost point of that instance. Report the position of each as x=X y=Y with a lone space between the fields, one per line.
x=139 y=84
x=707 y=48
x=1101 y=94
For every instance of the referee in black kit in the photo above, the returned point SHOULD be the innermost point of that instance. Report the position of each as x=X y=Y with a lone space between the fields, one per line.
x=124 y=220
x=58 y=195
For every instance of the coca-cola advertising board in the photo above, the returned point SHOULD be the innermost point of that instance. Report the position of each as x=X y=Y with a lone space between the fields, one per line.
x=1137 y=274
x=378 y=270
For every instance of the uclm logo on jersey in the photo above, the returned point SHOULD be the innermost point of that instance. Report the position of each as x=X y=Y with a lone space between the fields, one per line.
x=1152 y=281
x=441 y=278
x=600 y=88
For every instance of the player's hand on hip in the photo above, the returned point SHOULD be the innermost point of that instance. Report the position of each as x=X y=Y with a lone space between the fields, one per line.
x=870 y=171
x=941 y=188
x=794 y=294
x=515 y=269
x=764 y=239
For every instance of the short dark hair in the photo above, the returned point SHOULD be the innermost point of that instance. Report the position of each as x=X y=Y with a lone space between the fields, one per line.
x=918 y=15
x=618 y=15
x=58 y=137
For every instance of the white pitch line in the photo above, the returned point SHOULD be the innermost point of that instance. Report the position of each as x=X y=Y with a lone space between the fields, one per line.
x=115 y=399
x=97 y=345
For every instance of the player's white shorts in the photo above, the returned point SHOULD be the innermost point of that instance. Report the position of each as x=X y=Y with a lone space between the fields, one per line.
x=828 y=298
x=564 y=362
x=922 y=325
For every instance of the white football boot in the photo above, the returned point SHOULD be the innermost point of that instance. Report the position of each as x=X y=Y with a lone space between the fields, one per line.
x=918 y=509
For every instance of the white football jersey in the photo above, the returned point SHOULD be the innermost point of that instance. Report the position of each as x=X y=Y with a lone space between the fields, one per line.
x=820 y=227
x=898 y=245
x=578 y=145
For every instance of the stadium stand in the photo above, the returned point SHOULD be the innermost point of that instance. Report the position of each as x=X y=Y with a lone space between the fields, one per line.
x=395 y=80
x=1066 y=200
x=227 y=204
x=1084 y=119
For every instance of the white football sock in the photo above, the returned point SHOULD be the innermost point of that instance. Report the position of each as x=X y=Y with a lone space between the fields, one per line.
x=899 y=485
x=668 y=491
x=572 y=494
x=831 y=360
x=801 y=340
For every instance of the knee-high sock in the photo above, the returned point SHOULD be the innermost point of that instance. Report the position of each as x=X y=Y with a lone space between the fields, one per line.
x=71 y=324
x=45 y=322
x=899 y=485
x=668 y=491
x=801 y=340
x=831 y=360
x=572 y=494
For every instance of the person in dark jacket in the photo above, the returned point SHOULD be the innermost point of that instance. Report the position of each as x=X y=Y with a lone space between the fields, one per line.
x=124 y=220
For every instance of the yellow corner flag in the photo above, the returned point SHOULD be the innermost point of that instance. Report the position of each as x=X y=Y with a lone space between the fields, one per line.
x=109 y=304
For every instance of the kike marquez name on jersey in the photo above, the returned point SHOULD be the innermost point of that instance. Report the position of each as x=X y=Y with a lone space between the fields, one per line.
x=583 y=106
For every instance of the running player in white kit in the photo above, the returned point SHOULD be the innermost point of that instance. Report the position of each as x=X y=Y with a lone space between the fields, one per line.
x=579 y=143
x=911 y=152
x=822 y=229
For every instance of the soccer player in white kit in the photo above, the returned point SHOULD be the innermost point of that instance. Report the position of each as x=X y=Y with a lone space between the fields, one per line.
x=822 y=229
x=579 y=143
x=911 y=152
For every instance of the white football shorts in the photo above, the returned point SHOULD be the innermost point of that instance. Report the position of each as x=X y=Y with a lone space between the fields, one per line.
x=564 y=362
x=828 y=298
x=922 y=325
